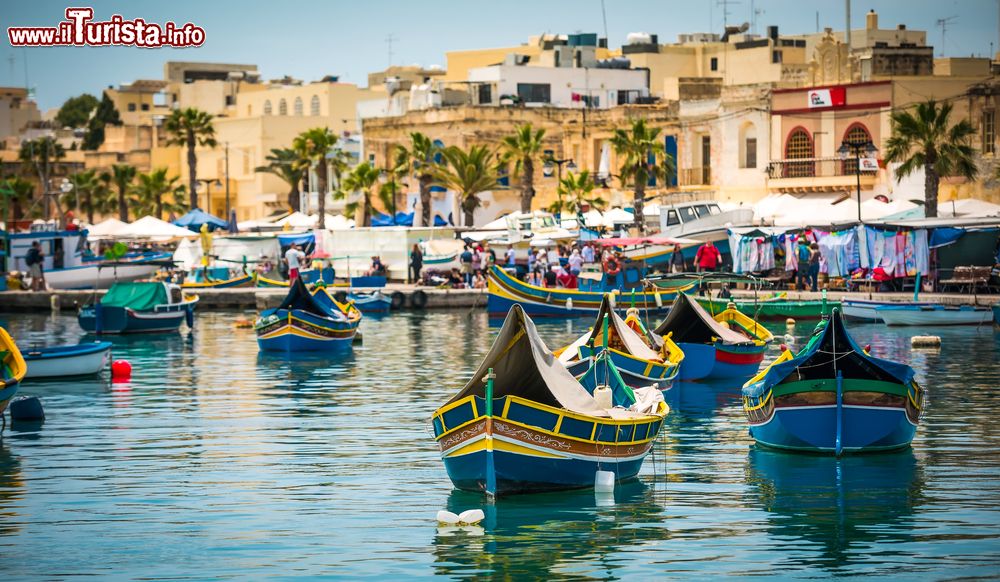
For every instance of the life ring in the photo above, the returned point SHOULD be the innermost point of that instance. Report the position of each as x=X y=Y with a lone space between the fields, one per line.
x=398 y=299
x=418 y=299
x=340 y=296
x=611 y=266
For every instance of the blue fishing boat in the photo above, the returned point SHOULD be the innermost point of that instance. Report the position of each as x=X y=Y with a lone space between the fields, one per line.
x=307 y=321
x=12 y=370
x=634 y=357
x=523 y=424
x=505 y=291
x=65 y=361
x=933 y=314
x=374 y=302
x=728 y=345
x=833 y=397
x=139 y=307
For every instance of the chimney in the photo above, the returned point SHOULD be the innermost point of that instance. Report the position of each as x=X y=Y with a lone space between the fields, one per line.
x=901 y=27
x=871 y=20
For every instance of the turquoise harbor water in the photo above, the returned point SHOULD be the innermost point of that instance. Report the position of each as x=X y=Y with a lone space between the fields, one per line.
x=217 y=462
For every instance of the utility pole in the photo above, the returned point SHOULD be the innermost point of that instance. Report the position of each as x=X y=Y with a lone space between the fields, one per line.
x=389 y=39
x=847 y=30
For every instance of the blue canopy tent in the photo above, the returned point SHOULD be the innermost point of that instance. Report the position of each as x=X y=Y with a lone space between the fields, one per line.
x=403 y=219
x=197 y=217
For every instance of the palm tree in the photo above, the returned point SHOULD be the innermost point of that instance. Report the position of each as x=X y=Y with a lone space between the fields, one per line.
x=468 y=174
x=40 y=156
x=121 y=177
x=14 y=193
x=284 y=163
x=312 y=146
x=361 y=179
x=926 y=139
x=89 y=193
x=420 y=158
x=643 y=158
x=150 y=190
x=523 y=147
x=190 y=128
x=575 y=193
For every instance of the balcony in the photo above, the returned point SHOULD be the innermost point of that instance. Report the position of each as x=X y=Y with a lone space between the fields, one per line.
x=817 y=175
x=699 y=176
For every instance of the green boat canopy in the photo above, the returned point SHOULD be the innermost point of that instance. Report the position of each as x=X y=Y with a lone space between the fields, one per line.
x=142 y=296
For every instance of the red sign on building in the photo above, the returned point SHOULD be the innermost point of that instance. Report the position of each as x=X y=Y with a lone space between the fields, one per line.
x=832 y=97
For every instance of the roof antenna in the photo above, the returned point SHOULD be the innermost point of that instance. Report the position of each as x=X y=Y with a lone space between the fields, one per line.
x=604 y=15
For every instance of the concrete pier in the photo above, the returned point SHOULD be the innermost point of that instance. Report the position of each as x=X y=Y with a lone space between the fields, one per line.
x=238 y=298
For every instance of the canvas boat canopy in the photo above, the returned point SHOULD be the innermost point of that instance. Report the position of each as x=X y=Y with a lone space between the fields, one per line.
x=621 y=337
x=525 y=367
x=830 y=350
x=690 y=323
x=139 y=296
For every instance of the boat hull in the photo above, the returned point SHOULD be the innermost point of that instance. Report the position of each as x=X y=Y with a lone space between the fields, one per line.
x=505 y=291
x=242 y=281
x=373 y=303
x=103 y=320
x=996 y=314
x=771 y=308
x=814 y=429
x=281 y=330
x=737 y=362
x=94 y=277
x=699 y=361
x=83 y=360
x=634 y=372
x=527 y=458
x=934 y=316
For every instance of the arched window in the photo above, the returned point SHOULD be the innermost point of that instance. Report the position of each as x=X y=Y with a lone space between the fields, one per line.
x=282 y=107
x=799 y=146
x=267 y=107
x=748 y=146
x=298 y=106
x=314 y=105
x=855 y=134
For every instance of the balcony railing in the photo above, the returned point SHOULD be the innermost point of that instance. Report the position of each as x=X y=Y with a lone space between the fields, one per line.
x=698 y=176
x=814 y=168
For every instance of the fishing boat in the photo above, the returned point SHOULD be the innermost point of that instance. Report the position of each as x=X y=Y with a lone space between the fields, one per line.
x=64 y=361
x=69 y=264
x=934 y=314
x=774 y=306
x=505 y=291
x=867 y=309
x=307 y=321
x=728 y=345
x=523 y=424
x=242 y=280
x=374 y=302
x=12 y=370
x=139 y=307
x=833 y=397
x=634 y=359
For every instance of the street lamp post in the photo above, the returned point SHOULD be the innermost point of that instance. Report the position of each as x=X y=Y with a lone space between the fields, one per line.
x=570 y=166
x=208 y=191
x=849 y=148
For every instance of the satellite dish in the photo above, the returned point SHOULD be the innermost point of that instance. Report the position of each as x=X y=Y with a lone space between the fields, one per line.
x=745 y=27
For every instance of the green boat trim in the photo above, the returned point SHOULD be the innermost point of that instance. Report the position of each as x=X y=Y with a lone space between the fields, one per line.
x=830 y=385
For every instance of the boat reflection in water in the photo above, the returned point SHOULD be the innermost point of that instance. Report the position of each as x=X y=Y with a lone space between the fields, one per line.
x=836 y=503
x=548 y=534
x=11 y=490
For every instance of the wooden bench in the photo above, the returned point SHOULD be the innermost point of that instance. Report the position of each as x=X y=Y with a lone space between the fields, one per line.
x=967 y=277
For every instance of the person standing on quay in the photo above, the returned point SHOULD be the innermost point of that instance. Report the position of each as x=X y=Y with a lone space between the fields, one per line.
x=294 y=257
x=814 y=257
x=35 y=259
x=803 y=254
x=465 y=259
x=416 y=264
x=708 y=257
x=677 y=260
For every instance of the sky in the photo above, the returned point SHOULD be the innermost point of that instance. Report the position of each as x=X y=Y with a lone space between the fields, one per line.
x=308 y=39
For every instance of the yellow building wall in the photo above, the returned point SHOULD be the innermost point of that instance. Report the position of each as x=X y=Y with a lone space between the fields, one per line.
x=459 y=62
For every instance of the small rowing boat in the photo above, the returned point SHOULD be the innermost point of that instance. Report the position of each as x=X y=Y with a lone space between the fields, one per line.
x=636 y=361
x=934 y=314
x=728 y=345
x=374 y=302
x=12 y=371
x=64 y=361
x=243 y=280
x=523 y=424
x=139 y=307
x=307 y=321
x=832 y=397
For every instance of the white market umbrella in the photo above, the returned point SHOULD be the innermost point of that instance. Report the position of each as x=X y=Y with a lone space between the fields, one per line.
x=107 y=228
x=152 y=228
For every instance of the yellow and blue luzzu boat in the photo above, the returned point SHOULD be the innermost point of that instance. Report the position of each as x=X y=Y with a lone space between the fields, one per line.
x=506 y=290
x=242 y=280
x=523 y=424
x=12 y=370
x=832 y=397
x=307 y=321
x=632 y=357
x=729 y=345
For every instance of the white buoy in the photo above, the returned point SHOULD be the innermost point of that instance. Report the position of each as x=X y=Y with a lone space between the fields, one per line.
x=658 y=299
x=569 y=303
x=925 y=341
x=604 y=482
x=447 y=517
x=602 y=394
x=467 y=517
